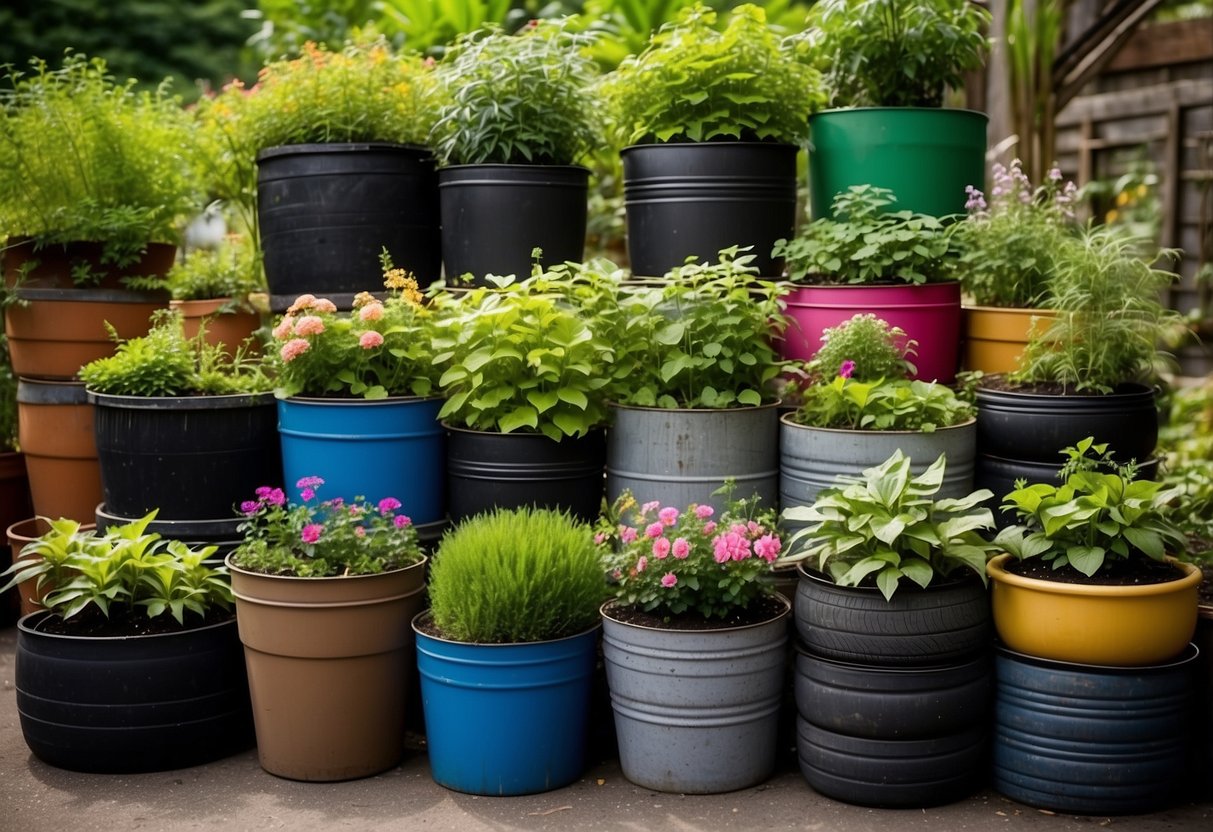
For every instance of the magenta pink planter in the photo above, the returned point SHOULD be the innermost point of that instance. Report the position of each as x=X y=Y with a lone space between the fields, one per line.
x=929 y=313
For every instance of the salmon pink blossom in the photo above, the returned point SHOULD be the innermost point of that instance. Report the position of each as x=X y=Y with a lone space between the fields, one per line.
x=371 y=312
x=309 y=325
x=370 y=339
x=669 y=579
x=293 y=348
x=668 y=515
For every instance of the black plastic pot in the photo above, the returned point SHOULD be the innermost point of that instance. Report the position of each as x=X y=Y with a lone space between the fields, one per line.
x=886 y=703
x=508 y=470
x=946 y=623
x=494 y=216
x=326 y=211
x=193 y=457
x=698 y=198
x=1035 y=427
x=1093 y=740
x=894 y=773
x=134 y=703
x=999 y=475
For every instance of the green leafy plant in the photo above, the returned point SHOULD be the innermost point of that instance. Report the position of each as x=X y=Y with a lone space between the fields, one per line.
x=696 y=83
x=383 y=348
x=229 y=271
x=866 y=244
x=701 y=337
x=517 y=99
x=1093 y=518
x=516 y=575
x=864 y=348
x=887 y=525
x=898 y=404
x=522 y=357
x=86 y=158
x=323 y=539
x=669 y=560
x=166 y=363
x=1007 y=244
x=85 y=573
x=1109 y=316
x=895 y=53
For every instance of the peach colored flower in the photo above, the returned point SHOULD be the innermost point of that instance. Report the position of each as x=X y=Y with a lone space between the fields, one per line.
x=293 y=349
x=283 y=330
x=302 y=302
x=324 y=305
x=370 y=339
x=309 y=325
x=371 y=312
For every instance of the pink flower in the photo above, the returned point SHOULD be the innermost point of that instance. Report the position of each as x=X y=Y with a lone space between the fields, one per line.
x=704 y=512
x=371 y=312
x=649 y=506
x=249 y=507
x=730 y=546
x=370 y=339
x=311 y=532
x=642 y=564
x=1055 y=174
x=302 y=302
x=324 y=305
x=309 y=325
x=668 y=515
x=402 y=520
x=709 y=527
x=263 y=491
x=847 y=368
x=275 y=497
x=661 y=548
x=627 y=534
x=654 y=530
x=293 y=348
x=681 y=548
x=600 y=538
x=306 y=494
x=310 y=482
x=753 y=528
x=359 y=531
x=283 y=330
x=388 y=504
x=767 y=547
x=669 y=579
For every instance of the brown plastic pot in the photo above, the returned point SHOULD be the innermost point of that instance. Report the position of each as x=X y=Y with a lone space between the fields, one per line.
x=994 y=338
x=55 y=430
x=228 y=328
x=329 y=662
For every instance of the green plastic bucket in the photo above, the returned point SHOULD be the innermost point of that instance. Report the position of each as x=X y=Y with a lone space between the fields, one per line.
x=925 y=156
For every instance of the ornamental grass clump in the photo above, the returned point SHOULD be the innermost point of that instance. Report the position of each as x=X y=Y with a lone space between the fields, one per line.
x=516 y=575
x=316 y=538
x=84 y=157
x=125 y=576
x=669 y=561
x=382 y=348
x=859 y=381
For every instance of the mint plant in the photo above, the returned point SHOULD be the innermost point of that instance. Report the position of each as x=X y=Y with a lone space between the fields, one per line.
x=864 y=348
x=866 y=244
x=887 y=525
x=898 y=404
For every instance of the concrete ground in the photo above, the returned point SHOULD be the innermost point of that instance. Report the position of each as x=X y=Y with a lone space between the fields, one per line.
x=235 y=795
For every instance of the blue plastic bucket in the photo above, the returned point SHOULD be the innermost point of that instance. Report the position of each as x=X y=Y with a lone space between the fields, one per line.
x=374 y=449
x=506 y=719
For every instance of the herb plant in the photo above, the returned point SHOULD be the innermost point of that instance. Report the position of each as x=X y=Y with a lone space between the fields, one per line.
x=323 y=539
x=866 y=244
x=116 y=573
x=523 y=358
x=516 y=575
x=669 y=560
x=700 y=339
x=1093 y=517
x=895 y=53
x=86 y=158
x=383 y=348
x=694 y=82
x=517 y=99
x=887 y=525
x=166 y=363
x=864 y=348
x=229 y=271
x=898 y=404
x=1109 y=318
x=1007 y=245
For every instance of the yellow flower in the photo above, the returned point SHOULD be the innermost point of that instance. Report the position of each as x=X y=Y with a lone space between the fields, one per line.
x=1142 y=190
x=1111 y=216
x=1122 y=198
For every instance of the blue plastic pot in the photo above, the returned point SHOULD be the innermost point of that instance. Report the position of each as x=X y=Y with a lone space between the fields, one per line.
x=373 y=449
x=506 y=719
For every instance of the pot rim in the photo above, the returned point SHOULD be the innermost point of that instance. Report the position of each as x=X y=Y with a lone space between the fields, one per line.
x=785 y=613
x=886 y=108
x=597 y=429
x=714 y=144
x=207 y=401
x=797 y=285
x=742 y=409
x=1009 y=310
x=26 y=626
x=232 y=567
x=426 y=614
x=1125 y=390
x=939 y=582
x=303 y=148
x=894 y=670
x=999 y=574
x=347 y=401
x=1190 y=654
x=514 y=166
x=786 y=418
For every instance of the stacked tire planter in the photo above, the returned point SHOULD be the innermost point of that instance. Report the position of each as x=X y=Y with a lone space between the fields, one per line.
x=892 y=696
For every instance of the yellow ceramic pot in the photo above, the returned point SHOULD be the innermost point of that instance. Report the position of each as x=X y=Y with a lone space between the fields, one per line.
x=994 y=337
x=1115 y=626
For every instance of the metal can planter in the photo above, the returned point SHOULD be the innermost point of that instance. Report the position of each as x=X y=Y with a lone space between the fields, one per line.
x=506 y=719
x=679 y=457
x=696 y=711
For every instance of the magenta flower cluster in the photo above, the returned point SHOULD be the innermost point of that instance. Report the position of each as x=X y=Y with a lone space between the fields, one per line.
x=673 y=560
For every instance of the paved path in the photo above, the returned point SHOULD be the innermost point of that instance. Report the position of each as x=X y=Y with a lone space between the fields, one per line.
x=235 y=795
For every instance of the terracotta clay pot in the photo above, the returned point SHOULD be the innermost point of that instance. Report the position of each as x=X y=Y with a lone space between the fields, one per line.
x=55 y=430
x=228 y=328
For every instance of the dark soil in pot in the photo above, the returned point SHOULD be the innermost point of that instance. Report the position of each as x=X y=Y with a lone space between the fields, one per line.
x=1133 y=572
x=761 y=609
x=123 y=622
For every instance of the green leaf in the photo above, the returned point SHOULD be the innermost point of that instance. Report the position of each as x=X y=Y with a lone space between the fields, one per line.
x=574 y=397
x=1086 y=559
x=518 y=418
x=543 y=400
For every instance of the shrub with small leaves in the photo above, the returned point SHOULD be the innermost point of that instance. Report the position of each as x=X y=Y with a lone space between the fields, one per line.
x=867 y=347
x=229 y=271
x=516 y=575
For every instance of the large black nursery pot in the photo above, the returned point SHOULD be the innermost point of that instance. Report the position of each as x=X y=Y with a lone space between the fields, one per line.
x=326 y=211
x=488 y=470
x=696 y=198
x=192 y=457
x=132 y=703
x=495 y=216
